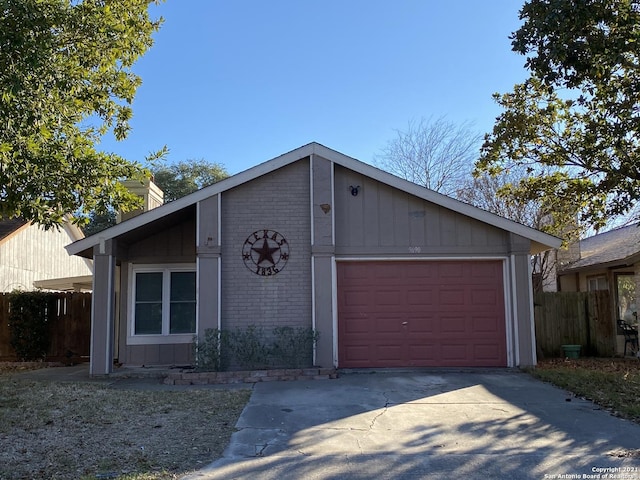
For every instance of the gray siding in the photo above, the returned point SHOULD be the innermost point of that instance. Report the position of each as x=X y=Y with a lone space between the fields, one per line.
x=381 y=220
x=176 y=244
x=277 y=201
x=208 y=251
x=34 y=253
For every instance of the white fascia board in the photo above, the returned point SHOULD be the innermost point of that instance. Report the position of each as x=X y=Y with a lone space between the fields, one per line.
x=216 y=188
x=539 y=241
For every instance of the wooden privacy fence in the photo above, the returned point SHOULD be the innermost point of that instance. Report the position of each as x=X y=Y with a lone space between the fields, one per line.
x=69 y=319
x=574 y=318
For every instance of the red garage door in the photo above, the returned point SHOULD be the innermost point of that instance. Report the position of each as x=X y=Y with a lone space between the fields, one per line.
x=421 y=314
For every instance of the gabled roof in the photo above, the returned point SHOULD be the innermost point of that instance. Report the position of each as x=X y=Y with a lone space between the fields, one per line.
x=540 y=241
x=620 y=246
x=8 y=227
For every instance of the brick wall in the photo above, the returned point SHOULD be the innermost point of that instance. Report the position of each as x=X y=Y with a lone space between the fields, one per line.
x=277 y=201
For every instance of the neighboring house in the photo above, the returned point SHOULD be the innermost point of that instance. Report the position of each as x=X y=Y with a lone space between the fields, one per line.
x=607 y=261
x=389 y=273
x=29 y=254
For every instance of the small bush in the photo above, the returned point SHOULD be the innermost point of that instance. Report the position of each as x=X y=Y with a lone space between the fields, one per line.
x=293 y=347
x=209 y=352
x=29 y=325
x=249 y=348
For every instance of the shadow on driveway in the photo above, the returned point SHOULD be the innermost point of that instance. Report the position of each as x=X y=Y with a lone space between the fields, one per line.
x=485 y=424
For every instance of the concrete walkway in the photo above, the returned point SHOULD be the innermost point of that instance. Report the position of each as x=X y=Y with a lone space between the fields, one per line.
x=491 y=424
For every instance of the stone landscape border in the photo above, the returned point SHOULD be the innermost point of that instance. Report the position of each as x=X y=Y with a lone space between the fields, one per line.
x=249 y=376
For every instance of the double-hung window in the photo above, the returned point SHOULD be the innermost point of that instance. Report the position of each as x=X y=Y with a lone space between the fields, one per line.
x=163 y=304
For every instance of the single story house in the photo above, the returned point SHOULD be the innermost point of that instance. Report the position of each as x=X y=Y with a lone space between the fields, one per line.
x=607 y=261
x=389 y=273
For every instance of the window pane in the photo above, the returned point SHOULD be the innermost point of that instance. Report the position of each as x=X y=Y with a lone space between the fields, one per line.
x=148 y=319
x=149 y=287
x=182 y=314
x=183 y=286
x=148 y=314
x=183 y=317
x=626 y=289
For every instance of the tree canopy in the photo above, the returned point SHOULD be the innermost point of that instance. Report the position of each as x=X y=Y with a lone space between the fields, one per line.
x=65 y=81
x=435 y=153
x=574 y=123
x=182 y=178
x=175 y=180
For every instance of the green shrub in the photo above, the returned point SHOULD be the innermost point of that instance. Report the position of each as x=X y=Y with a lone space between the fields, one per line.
x=29 y=324
x=250 y=348
x=209 y=351
x=293 y=347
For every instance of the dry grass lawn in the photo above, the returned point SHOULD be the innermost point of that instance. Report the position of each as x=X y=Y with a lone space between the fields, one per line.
x=85 y=431
x=613 y=383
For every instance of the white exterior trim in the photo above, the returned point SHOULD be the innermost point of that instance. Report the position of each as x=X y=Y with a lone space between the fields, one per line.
x=197 y=225
x=334 y=308
x=311 y=202
x=418 y=258
x=164 y=338
x=532 y=319
x=508 y=283
x=333 y=203
x=514 y=296
x=508 y=311
x=539 y=241
x=313 y=302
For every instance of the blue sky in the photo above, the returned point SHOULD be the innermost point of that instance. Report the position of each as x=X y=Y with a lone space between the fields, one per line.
x=239 y=82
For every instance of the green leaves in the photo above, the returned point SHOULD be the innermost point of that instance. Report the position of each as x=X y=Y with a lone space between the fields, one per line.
x=578 y=115
x=65 y=80
x=183 y=178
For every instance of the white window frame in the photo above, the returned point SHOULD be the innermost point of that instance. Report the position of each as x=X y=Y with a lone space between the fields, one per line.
x=165 y=337
x=596 y=282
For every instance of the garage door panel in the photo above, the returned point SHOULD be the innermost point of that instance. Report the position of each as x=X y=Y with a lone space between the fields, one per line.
x=422 y=324
x=388 y=297
x=430 y=313
x=422 y=355
x=420 y=297
x=385 y=325
x=452 y=296
x=482 y=325
x=415 y=271
x=482 y=296
x=450 y=324
x=453 y=352
x=388 y=353
x=357 y=353
x=356 y=324
x=353 y=298
x=486 y=352
x=449 y=270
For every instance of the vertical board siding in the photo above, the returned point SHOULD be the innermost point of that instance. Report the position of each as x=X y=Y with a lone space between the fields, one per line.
x=37 y=254
x=70 y=328
x=384 y=220
x=574 y=318
x=176 y=243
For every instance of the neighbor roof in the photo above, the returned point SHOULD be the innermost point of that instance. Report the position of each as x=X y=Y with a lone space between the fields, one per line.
x=620 y=246
x=540 y=241
x=10 y=226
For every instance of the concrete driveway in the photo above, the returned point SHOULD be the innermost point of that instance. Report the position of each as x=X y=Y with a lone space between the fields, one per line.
x=489 y=424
